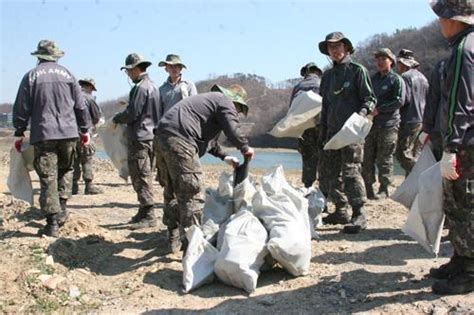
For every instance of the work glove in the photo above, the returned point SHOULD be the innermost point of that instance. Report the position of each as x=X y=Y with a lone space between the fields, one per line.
x=85 y=139
x=249 y=153
x=375 y=112
x=448 y=165
x=363 y=112
x=232 y=161
x=423 y=138
x=18 y=142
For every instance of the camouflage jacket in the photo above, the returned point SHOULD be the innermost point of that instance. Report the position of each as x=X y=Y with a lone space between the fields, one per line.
x=390 y=92
x=141 y=114
x=51 y=97
x=171 y=94
x=416 y=91
x=199 y=120
x=346 y=89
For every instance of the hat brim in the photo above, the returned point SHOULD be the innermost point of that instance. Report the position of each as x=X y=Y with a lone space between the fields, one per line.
x=411 y=63
x=381 y=54
x=441 y=10
x=145 y=63
x=164 y=63
x=323 y=46
x=82 y=82
x=54 y=57
x=229 y=94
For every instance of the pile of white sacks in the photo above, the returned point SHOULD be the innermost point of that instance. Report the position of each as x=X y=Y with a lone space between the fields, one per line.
x=249 y=228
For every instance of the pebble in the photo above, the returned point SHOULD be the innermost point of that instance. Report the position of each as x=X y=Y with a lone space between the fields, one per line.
x=74 y=292
x=49 y=261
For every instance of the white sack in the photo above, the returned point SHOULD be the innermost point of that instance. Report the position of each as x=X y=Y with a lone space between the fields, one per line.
x=198 y=263
x=217 y=209
x=316 y=204
x=407 y=191
x=243 y=251
x=243 y=195
x=426 y=218
x=225 y=188
x=304 y=108
x=354 y=130
x=114 y=138
x=19 y=180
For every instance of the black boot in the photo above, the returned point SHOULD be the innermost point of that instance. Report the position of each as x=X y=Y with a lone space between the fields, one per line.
x=91 y=189
x=358 y=221
x=460 y=283
x=63 y=215
x=174 y=240
x=449 y=269
x=340 y=216
x=51 y=228
x=138 y=216
x=148 y=219
x=75 y=187
x=383 y=192
x=370 y=192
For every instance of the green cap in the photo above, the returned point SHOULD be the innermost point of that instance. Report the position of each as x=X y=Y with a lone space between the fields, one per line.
x=459 y=10
x=334 y=38
x=236 y=93
x=386 y=53
x=47 y=50
x=133 y=60
x=172 y=60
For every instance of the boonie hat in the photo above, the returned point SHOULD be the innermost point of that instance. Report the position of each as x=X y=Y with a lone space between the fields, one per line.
x=459 y=10
x=334 y=38
x=172 y=60
x=133 y=60
x=88 y=81
x=47 y=50
x=236 y=93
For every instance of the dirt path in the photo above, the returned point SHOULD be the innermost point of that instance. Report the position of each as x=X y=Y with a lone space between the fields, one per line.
x=101 y=266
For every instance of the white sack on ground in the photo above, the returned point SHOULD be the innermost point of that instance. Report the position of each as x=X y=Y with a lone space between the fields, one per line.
x=217 y=209
x=114 y=139
x=407 y=191
x=304 y=108
x=198 y=263
x=225 y=188
x=19 y=180
x=243 y=195
x=354 y=130
x=243 y=251
x=316 y=204
x=426 y=218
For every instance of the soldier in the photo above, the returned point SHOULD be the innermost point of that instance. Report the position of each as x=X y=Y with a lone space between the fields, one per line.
x=380 y=144
x=186 y=132
x=307 y=142
x=346 y=89
x=411 y=113
x=51 y=98
x=85 y=154
x=141 y=117
x=456 y=18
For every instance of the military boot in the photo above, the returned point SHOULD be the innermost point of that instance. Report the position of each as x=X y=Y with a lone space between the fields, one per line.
x=138 y=216
x=340 y=216
x=174 y=240
x=91 y=189
x=358 y=221
x=460 y=283
x=449 y=269
x=75 y=187
x=383 y=192
x=148 y=219
x=63 y=215
x=370 y=192
x=51 y=228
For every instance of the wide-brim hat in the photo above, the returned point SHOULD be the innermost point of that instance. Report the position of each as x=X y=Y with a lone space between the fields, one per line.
x=386 y=52
x=133 y=60
x=88 y=81
x=172 y=60
x=309 y=66
x=47 y=50
x=236 y=93
x=459 y=10
x=333 y=38
x=407 y=57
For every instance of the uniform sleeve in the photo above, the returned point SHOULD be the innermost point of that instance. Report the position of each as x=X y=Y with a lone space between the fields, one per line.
x=192 y=89
x=432 y=100
x=134 y=108
x=397 y=99
x=83 y=117
x=366 y=92
x=324 y=111
x=460 y=98
x=22 y=107
x=215 y=149
x=408 y=91
x=229 y=121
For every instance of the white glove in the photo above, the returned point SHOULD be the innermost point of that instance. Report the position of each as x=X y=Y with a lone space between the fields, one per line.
x=448 y=166
x=249 y=153
x=423 y=137
x=232 y=161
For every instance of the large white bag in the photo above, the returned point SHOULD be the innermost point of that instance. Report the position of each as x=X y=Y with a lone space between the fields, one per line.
x=243 y=195
x=304 y=108
x=354 y=130
x=19 y=180
x=407 y=191
x=198 y=263
x=426 y=218
x=114 y=138
x=217 y=209
x=243 y=251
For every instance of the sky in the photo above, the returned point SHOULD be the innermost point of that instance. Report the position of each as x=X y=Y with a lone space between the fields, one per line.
x=272 y=38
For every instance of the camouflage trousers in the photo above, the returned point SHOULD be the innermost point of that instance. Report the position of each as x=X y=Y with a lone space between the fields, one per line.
x=459 y=205
x=341 y=175
x=83 y=162
x=379 y=148
x=140 y=165
x=180 y=173
x=408 y=147
x=308 y=149
x=54 y=165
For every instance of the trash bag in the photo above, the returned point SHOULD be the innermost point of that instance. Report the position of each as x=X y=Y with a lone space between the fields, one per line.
x=217 y=209
x=243 y=195
x=304 y=108
x=354 y=130
x=243 y=251
x=198 y=263
x=426 y=218
x=316 y=204
x=19 y=180
x=407 y=191
x=225 y=188
x=114 y=139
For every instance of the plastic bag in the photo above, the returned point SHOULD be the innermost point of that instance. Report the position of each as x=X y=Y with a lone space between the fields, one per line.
x=407 y=191
x=354 y=130
x=243 y=194
x=114 y=139
x=19 y=180
x=217 y=209
x=243 y=251
x=198 y=263
x=304 y=108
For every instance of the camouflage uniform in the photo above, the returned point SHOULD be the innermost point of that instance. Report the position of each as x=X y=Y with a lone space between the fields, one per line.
x=140 y=165
x=84 y=159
